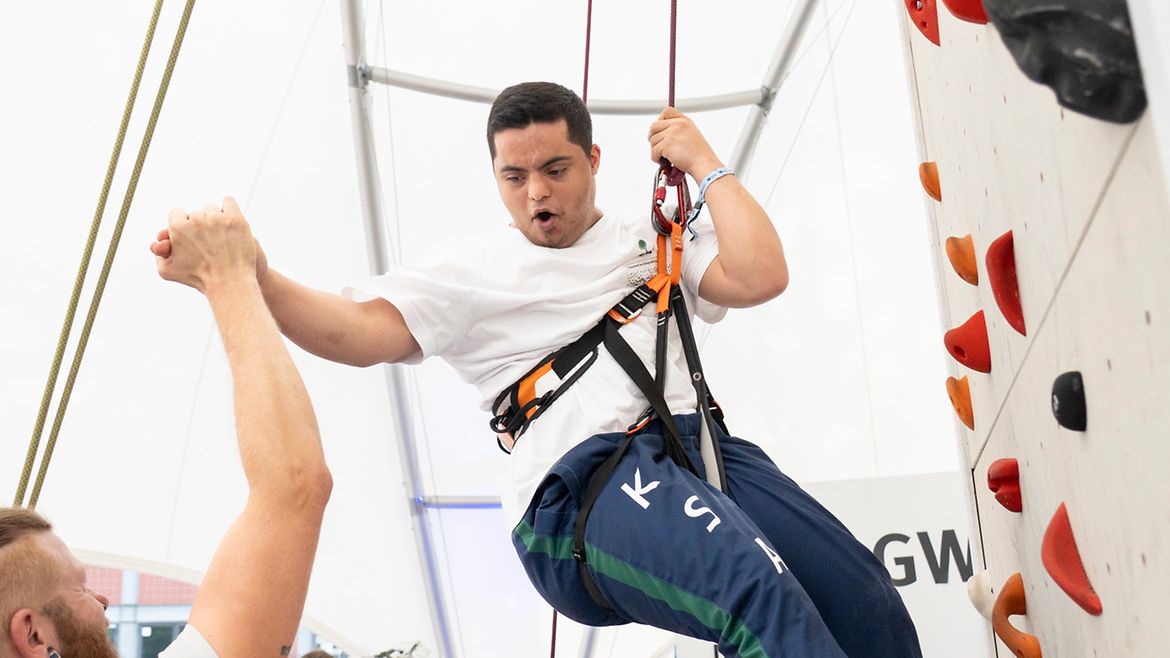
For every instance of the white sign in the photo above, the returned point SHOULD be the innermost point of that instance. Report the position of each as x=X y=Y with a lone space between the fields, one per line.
x=917 y=526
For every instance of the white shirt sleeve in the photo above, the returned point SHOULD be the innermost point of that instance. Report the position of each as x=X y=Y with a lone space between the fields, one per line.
x=435 y=311
x=189 y=644
x=699 y=250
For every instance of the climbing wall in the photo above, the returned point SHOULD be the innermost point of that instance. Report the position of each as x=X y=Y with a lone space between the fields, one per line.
x=1069 y=223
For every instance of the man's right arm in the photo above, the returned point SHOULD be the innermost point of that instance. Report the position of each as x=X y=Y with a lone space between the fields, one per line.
x=335 y=328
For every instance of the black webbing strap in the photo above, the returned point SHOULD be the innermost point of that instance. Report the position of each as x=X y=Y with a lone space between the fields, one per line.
x=515 y=415
x=686 y=334
x=660 y=349
x=625 y=356
x=578 y=350
x=632 y=365
x=592 y=491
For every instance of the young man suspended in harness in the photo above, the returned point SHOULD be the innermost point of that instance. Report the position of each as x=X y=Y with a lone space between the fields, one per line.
x=611 y=525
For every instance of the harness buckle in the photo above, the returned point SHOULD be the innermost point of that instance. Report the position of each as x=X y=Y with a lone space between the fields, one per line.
x=642 y=421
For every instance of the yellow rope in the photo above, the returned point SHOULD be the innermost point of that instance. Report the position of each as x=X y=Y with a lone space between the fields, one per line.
x=79 y=282
x=109 y=260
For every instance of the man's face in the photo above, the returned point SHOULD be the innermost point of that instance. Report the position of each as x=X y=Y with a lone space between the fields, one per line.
x=78 y=614
x=547 y=182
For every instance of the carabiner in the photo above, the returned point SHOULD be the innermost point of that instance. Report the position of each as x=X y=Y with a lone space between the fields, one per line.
x=658 y=218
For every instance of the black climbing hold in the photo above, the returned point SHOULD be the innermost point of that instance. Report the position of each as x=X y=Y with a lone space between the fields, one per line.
x=1083 y=50
x=1068 y=401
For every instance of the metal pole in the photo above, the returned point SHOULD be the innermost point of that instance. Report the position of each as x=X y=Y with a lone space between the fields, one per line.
x=745 y=147
x=588 y=642
x=460 y=502
x=370 y=189
x=475 y=94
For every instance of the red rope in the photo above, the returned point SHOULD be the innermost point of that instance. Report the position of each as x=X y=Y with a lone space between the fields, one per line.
x=674 y=175
x=588 y=32
x=673 y=30
x=553 y=651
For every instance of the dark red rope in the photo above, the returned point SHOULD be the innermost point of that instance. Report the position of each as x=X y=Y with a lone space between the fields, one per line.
x=673 y=30
x=674 y=175
x=553 y=651
x=588 y=32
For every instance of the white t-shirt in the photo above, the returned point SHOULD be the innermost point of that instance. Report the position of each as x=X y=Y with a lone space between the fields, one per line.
x=189 y=644
x=494 y=308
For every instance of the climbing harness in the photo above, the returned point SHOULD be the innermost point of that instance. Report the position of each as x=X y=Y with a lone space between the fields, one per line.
x=518 y=405
x=83 y=341
x=523 y=402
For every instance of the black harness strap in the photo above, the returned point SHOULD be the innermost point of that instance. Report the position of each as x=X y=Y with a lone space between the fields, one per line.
x=516 y=411
x=629 y=361
x=625 y=356
x=712 y=414
x=592 y=491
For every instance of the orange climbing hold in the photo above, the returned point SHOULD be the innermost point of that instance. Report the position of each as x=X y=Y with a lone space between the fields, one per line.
x=924 y=13
x=959 y=390
x=928 y=174
x=961 y=253
x=1063 y=562
x=1003 y=478
x=968 y=343
x=968 y=10
x=1001 y=271
x=1012 y=601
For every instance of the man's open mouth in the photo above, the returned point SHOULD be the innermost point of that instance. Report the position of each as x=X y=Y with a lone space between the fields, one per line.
x=543 y=217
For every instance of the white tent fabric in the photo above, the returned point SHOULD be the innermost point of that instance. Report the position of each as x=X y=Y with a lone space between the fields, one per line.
x=840 y=377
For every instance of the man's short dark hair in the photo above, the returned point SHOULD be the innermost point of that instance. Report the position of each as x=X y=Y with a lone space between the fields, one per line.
x=522 y=105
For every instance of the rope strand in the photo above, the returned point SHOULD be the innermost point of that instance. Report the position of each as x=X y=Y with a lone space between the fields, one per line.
x=100 y=287
x=552 y=653
x=79 y=282
x=673 y=39
x=588 y=35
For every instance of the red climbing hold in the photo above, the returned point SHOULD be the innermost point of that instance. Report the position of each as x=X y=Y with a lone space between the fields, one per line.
x=959 y=390
x=1001 y=270
x=1012 y=601
x=968 y=10
x=1003 y=478
x=1063 y=562
x=924 y=13
x=961 y=253
x=928 y=176
x=968 y=343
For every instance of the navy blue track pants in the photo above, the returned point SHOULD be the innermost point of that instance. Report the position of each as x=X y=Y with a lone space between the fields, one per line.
x=768 y=572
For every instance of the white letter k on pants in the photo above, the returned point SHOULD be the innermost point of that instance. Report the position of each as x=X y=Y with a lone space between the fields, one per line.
x=637 y=491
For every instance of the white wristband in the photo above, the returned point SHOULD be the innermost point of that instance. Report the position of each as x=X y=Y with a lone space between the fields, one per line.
x=710 y=178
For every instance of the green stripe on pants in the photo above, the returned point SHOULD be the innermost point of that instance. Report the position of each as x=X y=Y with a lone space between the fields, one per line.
x=729 y=627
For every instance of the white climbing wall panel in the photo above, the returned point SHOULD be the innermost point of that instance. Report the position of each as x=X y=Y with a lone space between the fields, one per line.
x=1087 y=204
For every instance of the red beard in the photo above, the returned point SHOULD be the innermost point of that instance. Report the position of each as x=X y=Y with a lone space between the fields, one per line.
x=77 y=639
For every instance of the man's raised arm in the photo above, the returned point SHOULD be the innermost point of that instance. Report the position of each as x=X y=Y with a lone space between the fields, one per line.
x=327 y=325
x=252 y=596
x=332 y=327
x=750 y=268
